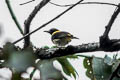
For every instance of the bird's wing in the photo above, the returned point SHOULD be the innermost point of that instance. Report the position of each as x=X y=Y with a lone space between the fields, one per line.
x=62 y=34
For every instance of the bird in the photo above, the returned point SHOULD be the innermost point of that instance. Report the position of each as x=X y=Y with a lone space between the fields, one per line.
x=60 y=38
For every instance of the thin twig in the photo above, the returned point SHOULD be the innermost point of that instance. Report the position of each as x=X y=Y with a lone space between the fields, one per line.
x=27 y=2
x=32 y=73
x=48 y=22
x=29 y=20
x=13 y=16
x=84 y=3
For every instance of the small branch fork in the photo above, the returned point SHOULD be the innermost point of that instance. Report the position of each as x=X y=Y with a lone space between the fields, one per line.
x=29 y=20
x=105 y=42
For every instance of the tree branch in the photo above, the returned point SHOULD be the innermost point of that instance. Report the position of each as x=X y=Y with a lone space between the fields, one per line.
x=29 y=20
x=105 y=42
x=47 y=22
x=70 y=50
x=43 y=53
x=114 y=16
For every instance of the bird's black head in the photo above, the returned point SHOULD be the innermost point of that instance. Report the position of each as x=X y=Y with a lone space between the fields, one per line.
x=52 y=30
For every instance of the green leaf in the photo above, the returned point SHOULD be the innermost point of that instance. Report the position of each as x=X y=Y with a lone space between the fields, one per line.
x=87 y=63
x=46 y=47
x=67 y=67
x=54 y=47
x=20 y=60
x=48 y=71
x=108 y=60
x=8 y=48
x=101 y=68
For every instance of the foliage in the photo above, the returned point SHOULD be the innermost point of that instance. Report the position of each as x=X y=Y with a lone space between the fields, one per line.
x=18 y=59
x=48 y=71
x=66 y=65
x=100 y=68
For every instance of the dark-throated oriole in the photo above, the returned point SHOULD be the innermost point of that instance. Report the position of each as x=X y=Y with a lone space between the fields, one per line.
x=60 y=38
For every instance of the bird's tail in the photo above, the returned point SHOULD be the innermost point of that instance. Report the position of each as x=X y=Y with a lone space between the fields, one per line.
x=74 y=37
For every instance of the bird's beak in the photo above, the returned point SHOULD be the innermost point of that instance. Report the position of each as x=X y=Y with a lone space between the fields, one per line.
x=47 y=31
